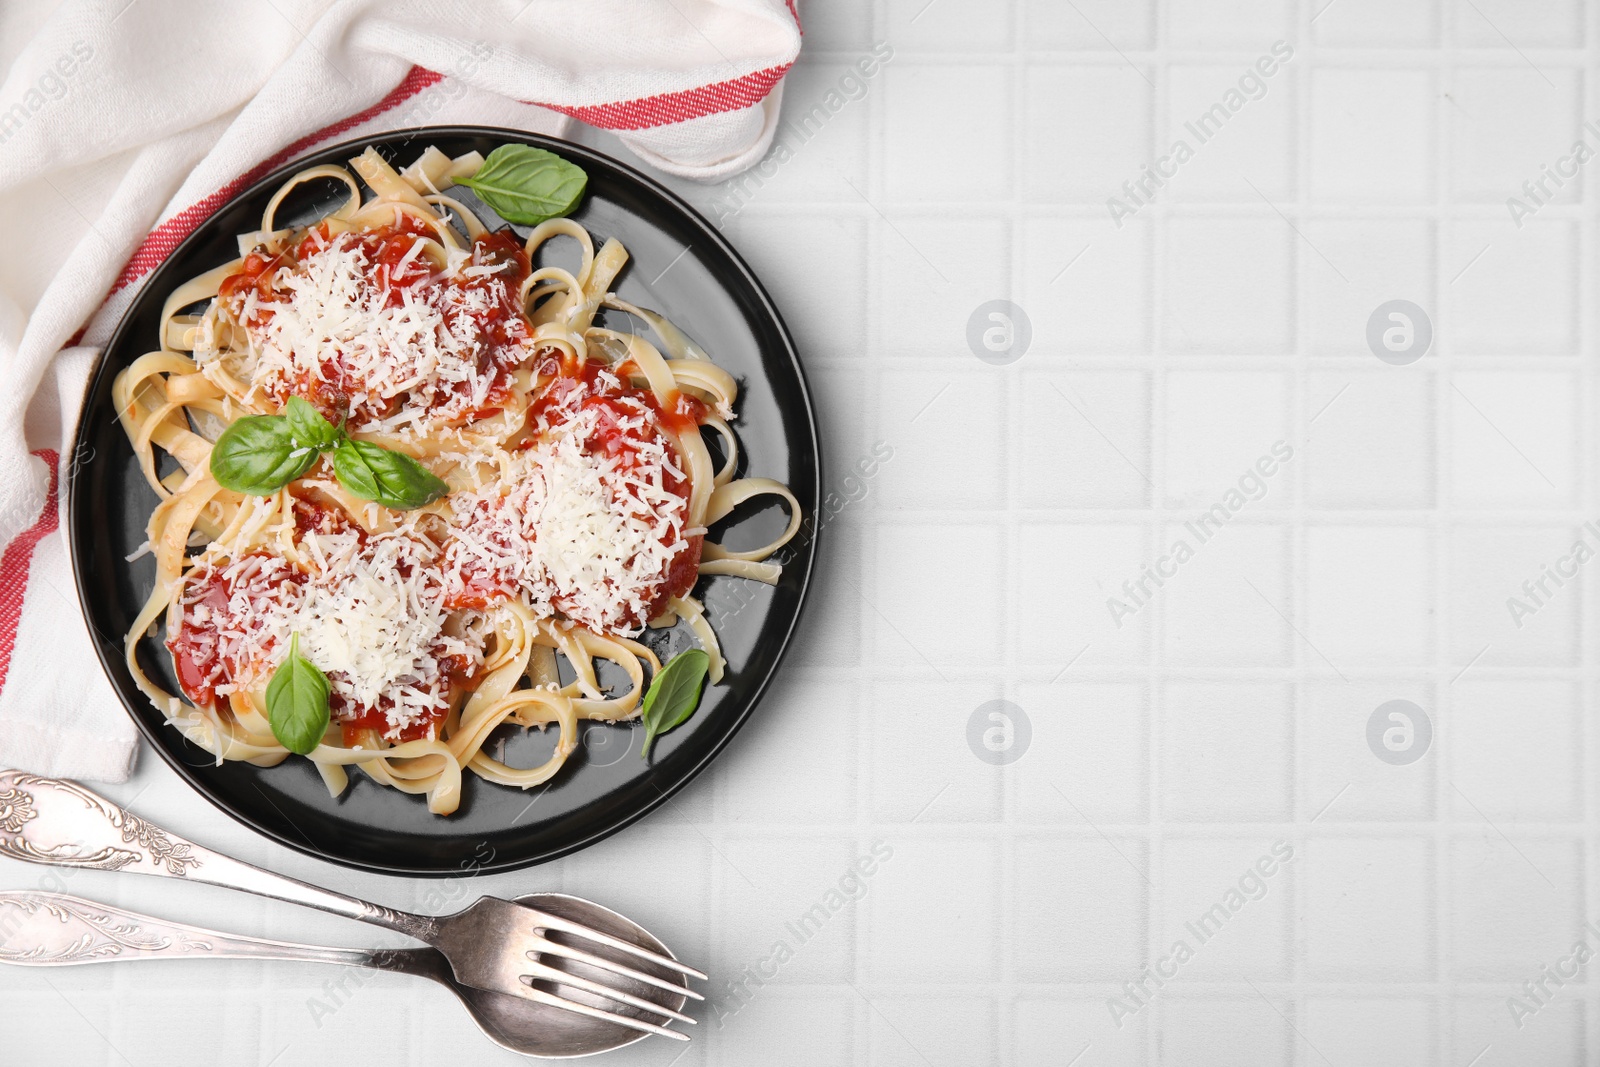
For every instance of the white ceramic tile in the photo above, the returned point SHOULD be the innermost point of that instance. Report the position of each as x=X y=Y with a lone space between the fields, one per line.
x=1252 y=24
x=932 y=273
x=928 y=775
x=1212 y=1030
x=1097 y=25
x=1502 y=24
x=1228 y=285
x=1358 y=265
x=1066 y=616
x=822 y=264
x=1343 y=779
x=930 y=916
x=1514 y=436
x=1358 y=116
x=1369 y=911
x=1047 y=1028
x=1084 y=290
x=948 y=438
x=776 y=785
x=778 y=894
x=1386 y=1032
x=1086 y=763
x=1483 y=1026
x=1226 y=606
x=1227 y=752
x=1086 y=131
x=1513 y=901
x=921 y=1030
x=807 y=1028
x=1510 y=291
x=834 y=639
x=1370 y=439
x=1229 y=902
x=1516 y=750
x=922 y=105
x=949 y=26
x=1375 y=24
x=1238 y=123
x=1220 y=425
x=1507 y=125
x=824 y=134
x=1093 y=434
x=1508 y=606
x=837 y=25
x=1081 y=901
x=910 y=612
x=1369 y=596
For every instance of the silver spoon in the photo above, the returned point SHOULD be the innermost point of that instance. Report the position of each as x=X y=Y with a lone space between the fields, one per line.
x=53 y=930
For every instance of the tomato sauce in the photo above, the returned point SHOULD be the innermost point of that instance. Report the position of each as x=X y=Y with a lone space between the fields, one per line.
x=499 y=325
x=354 y=721
x=198 y=649
x=211 y=601
x=627 y=423
x=680 y=414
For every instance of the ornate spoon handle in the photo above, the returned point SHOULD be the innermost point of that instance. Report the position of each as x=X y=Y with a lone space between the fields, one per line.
x=62 y=824
x=54 y=930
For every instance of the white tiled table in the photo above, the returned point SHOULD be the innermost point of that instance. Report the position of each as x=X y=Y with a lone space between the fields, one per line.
x=1230 y=712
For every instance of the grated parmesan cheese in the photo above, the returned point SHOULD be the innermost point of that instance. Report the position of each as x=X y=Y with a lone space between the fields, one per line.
x=579 y=532
x=370 y=614
x=405 y=354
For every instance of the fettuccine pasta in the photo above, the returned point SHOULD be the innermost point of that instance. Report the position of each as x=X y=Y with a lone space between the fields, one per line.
x=580 y=487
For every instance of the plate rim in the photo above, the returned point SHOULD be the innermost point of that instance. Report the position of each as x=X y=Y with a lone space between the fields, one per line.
x=76 y=531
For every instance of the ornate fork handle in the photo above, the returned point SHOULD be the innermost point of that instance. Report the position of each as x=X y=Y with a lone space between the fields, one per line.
x=54 y=930
x=62 y=824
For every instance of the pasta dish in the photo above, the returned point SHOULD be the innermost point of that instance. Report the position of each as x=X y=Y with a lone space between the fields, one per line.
x=409 y=482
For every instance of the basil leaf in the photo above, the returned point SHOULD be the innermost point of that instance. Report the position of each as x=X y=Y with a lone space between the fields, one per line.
x=309 y=428
x=297 y=702
x=259 y=455
x=673 y=695
x=393 y=479
x=527 y=185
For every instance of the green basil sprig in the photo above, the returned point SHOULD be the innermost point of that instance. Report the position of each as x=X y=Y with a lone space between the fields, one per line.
x=260 y=454
x=297 y=702
x=527 y=185
x=673 y=695
x=307 y=426
x=393 y=479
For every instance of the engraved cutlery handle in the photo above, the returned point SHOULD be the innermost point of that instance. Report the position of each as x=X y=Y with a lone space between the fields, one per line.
x=62 y=824
x=54 y=930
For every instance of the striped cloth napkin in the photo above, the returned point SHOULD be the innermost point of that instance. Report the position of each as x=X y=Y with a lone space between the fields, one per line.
x=125 y=123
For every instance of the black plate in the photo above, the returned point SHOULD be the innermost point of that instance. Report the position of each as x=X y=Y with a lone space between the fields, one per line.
x=712 y=295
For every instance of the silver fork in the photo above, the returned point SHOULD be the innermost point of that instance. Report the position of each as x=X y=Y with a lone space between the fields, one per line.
x=494 y=944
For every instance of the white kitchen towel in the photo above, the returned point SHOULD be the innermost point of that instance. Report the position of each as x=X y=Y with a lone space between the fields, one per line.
x=124 y=124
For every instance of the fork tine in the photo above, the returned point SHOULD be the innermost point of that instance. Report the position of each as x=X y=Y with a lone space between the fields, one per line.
x=548 y=973
x=555 y=948
x=567 y=926
x=542 y=997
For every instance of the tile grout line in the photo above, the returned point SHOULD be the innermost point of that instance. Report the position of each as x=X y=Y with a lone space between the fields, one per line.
x=871 y=525
x=1443 y=378
x=1587 y=499
x=1302 y=84
x=1154 y=688
x=1007 y=1009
